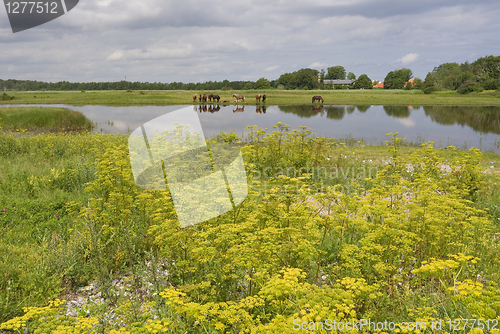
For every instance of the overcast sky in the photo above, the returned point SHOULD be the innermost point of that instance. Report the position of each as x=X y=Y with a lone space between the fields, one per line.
x=197 y=41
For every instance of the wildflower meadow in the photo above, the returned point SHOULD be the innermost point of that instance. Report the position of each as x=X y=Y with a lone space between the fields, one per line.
x=331 y=232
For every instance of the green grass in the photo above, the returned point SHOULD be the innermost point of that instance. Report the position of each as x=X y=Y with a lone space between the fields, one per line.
x=274 y=97
x=42 y=119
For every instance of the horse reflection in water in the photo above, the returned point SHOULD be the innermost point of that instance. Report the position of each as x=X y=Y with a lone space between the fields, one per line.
x=260 y=110
x=207 y=108
x=238 y=109
x=317 y=108
x=213 y=108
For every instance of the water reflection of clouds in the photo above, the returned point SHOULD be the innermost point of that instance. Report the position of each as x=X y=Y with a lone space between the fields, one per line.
x=408 y=122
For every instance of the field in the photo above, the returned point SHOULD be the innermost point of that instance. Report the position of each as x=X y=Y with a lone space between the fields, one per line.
x=274 y=97
x=330 y=230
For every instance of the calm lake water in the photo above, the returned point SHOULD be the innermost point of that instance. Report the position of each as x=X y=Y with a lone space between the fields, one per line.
x=461 y=126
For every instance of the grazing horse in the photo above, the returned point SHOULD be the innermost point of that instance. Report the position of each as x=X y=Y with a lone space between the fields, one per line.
x=317 y=98
x=239 y=97
x=210 y=97
x=216 y=97
x=200 y=97
x=264 y=98
x=258 y=97
x=204 y=99
x=195 y=97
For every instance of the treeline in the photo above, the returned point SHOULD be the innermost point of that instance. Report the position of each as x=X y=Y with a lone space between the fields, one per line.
x=483 y=74
x=30 y=85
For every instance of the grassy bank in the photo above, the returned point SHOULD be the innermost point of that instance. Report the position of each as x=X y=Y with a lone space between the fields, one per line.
x=274 y=97
x=42 y=119
x=396 y=232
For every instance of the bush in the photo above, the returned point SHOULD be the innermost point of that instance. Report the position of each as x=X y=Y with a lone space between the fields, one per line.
x=470 y=87
x=429 y=89
x=491 y=84
x=7 y=97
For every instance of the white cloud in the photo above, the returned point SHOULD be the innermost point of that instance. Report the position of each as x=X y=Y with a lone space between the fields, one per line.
x=117 y=55
x=317 y=65
x=408 y=59
x=271 y=68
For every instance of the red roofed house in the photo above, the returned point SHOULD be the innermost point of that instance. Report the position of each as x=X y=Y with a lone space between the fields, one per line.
x=410 y=82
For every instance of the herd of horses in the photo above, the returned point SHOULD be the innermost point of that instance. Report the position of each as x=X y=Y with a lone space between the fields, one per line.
x=214 y=97
x=205 y=97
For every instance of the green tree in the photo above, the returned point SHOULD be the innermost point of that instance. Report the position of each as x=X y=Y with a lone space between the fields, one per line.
x=397 y=79
x=363 y=82
x=335 y=73
x=248 y=86
x=304 y=78
x=351 y=76
x=262 y=83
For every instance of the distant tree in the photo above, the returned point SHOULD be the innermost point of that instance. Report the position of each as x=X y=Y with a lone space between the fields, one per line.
x=262 y=83
x=248 y=86
x=304 y=78
x=363 y=82
x=351 y=76
x=335 y=73
x=397 y=79
x=416 y=84
x=466 y=77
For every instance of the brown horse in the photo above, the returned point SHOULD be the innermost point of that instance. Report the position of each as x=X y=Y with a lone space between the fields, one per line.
x=317 y=98
x=216 y=97
x=258 y=97
x=204 y=99
x=195 y=97
x=239 y=97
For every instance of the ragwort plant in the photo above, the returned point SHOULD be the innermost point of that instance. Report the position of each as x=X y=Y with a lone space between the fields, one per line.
x=402 y=244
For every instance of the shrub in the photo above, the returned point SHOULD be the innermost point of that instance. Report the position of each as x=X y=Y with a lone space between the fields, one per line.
x=491 y=84
x=7 y=97
x=470 y=87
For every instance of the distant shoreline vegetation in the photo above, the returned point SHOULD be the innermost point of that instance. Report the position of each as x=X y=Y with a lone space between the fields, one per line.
x=482 y=74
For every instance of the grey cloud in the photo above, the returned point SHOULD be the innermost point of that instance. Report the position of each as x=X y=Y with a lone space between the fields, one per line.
x=385 y=8
x=193 y=41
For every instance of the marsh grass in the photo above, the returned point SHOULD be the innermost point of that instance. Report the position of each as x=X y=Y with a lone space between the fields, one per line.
x=42 y=119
